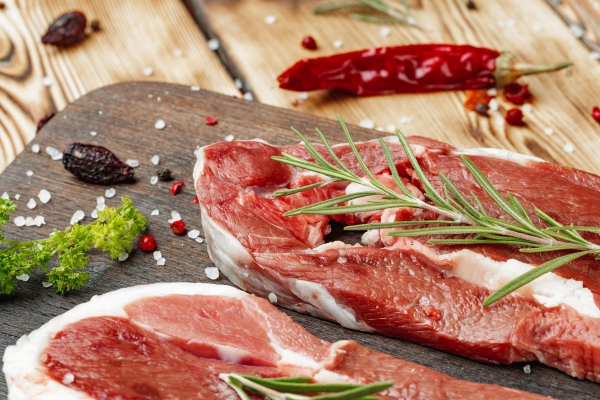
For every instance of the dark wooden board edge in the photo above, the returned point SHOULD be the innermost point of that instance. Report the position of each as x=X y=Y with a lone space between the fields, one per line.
x=123 y=115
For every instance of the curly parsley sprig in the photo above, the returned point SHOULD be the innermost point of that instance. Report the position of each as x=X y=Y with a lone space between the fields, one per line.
x=112 y=232
x=461 y=214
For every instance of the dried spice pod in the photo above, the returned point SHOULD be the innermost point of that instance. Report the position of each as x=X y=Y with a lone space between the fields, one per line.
x=66 y=30
x=95 y=164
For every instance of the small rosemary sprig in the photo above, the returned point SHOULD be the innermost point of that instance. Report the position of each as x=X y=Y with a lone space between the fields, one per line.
x=288 y=388
x=459 y=215
x=393 y=15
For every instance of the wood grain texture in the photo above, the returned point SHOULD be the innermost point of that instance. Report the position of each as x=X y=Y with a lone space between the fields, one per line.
x=126 y=127
x=583 y=19
x=531 y=29
x=134 y=35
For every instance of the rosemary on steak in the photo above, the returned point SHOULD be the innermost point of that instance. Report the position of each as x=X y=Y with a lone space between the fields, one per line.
x=389 y=15
x=460 y=214
x=289 y=388
x=112 y=232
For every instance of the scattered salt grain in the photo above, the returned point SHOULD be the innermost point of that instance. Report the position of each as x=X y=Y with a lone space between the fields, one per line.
x=499 y=120
x=594 y=55
x=77 y=216
x=93 y=133
x=424 y=301
x=154 y=180
x=548 y=131
x=158 y=98
x=110 y=193
x=195 y=88
x=248 y=96
x=17 y=196
x=31 y=204
x=54 y=153
x=44 y=196
x=385 y=31
x=500 y=24
x=4 y=196
x=155 y=212
x=123 y=256
x=338 y=43
x=493 y=105
x=133 y=163
x=161 y=261
x=39 y=221
x=200 y=239
x=229 y=138
x=342 y=260
x=100 y=203
x=366 y=123
x=212 y=272
x=569 y=147
x=303 y=95
x=35 y=148
x=511 y=22
x=46 y=284
x=270 y=19
x=526 y=108
x=47 y=81
x=527 y=369
x=391 y=128
x=174 y=217
x=22 y=277
x=19 y=221
x=404 y=120
x=213 y=44
x=160 y=124
x=148 y=71
x=537 y=27
x=194 y=233
x=155 y=160
x=150 y=96
x=492 y=92
x=29 y=173
x=272 y=297
x=238 y=83
x=99 y=112
x=379 y=129
x=29 y=221
x=157 y=255
x=177 y=53
x=94 y=214
x=577 y=30
x=68 y=378
x=596 y=5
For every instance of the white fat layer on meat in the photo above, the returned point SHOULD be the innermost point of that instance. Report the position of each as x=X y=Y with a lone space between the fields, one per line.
x=501 y=154
x=24 y=372
x=332 y=246
x=549 y=290
x=319 y=297
x=326 y=376
x=290 y=357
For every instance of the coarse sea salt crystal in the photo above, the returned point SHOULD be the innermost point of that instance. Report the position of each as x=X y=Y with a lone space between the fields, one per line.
x=338 y=43
x=155 y=212
x=29 y=221
x=54 y=153
x=133 y=163
x=569 y=147
x=161 y=261
x=385 y=31
x=194 y=233
x=594 y=55
x=492 y=92
x=35 y=148
x=158 y=98
x=303 y=95
x=77 y=216
x=238 y=83
x=100 y=203
x=526 y=108
x=493 y=105
x=44 y=196
x=272 y=297
x=154 y=180
x=248 y=96
x=174 y=217
x=123 y=256
x=148 y=71
x=499 y=120
x=391 y=128
x=93 y=133
x=39 y=221
x=17 y=196
x=157 y=255
x=160 y=124
x=548 y=131
x=47 y=81
x=46 y=284
x=19 y=221
x=5 y=196
x=229 y=138
x=155 y=160
x=177 y=53
x=577 y=30
x=213 y=44
x=527 y=369
x=366 y=123
x=110 y=193
x=22 y=277
x=68 y=378
x=195 y=88
x=212 y=272
x=94 y=214
x=424 y=301
x=270 y=19
x=199 y=239
x=29 y=173
x=31 y=204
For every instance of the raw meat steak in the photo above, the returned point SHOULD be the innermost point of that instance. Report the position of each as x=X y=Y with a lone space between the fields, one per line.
x=406 y=287
x=172 y=340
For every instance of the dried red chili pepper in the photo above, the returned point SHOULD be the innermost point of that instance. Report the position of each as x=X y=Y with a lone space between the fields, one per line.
x=95 y=164
x=176 y=187
x=66 y=30
x=514 y=116
x=44 y=120
x=516 y=93
x=309 y=43
x=409 y=69
x=596 y=114
x=178 y=227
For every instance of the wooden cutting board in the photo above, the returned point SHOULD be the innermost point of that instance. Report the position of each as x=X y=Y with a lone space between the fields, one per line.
x=124 y=118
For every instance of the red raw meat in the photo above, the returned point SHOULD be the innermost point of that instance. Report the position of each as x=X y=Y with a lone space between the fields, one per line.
x=172 y=340
x=405 y=287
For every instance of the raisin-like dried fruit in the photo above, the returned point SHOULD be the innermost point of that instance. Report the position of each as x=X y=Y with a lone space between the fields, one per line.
x=44 y=120
x=164 y=174
x=66 y=30
x=95 y=164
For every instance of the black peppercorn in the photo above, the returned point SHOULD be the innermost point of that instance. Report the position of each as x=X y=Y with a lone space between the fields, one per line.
x=471 y=5
x=164 y=174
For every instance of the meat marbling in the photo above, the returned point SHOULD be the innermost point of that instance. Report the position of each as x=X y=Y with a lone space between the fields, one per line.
x=406 y=287
x=172 y=340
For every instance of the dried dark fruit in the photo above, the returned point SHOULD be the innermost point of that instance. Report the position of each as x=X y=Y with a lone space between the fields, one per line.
x=516 y=93
x=95 y=164
x=66 y=30
x=164 y=174
x=308 y=42
x=514 y=116
x=95 y=25
x=44 y=120
x=482 y=109
x=471 y=5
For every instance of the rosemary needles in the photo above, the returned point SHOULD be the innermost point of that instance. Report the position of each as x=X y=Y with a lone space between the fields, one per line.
x=462 y=220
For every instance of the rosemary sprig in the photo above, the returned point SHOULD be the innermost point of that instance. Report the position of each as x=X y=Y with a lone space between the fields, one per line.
x=391 y=15
x=288 y=388
x=459 y=215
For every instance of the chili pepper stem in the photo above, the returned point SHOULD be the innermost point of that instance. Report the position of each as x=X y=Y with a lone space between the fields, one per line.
x=509 y=70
